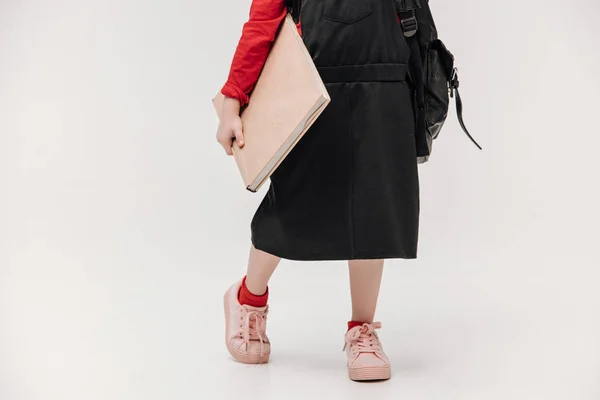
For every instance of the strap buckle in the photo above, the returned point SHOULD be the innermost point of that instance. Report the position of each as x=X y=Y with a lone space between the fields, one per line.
x=454 y=83
x=410 y=26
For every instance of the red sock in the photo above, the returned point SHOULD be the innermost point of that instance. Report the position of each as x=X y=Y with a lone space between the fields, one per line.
x=245 y=297
x=353 y=324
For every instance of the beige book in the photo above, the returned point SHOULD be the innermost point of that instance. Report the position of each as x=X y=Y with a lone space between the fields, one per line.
x=288 y=97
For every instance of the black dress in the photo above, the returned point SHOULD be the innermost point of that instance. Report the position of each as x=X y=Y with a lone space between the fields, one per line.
x=349 y=189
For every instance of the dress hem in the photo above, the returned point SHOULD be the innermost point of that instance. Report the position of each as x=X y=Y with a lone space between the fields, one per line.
x=358 y=255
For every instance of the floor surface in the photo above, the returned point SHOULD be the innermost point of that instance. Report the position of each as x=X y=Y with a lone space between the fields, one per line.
x=117 y=331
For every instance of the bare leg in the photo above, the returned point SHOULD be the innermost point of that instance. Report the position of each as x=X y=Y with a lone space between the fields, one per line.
x=365 y=280
x=261 y=266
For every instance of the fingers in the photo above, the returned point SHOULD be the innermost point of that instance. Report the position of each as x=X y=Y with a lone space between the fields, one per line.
x=228 y=132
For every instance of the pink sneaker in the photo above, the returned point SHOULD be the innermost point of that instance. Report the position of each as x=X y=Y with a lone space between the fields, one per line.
x=366 y=359
x=245 y=329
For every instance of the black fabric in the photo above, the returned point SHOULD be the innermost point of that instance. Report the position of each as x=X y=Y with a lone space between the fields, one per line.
x=349 y=189
x=364 y=73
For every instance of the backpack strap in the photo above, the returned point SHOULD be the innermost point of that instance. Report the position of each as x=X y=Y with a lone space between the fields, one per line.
x=293 y=7
x=407 y=5
x=406 y=12
x=459 y=106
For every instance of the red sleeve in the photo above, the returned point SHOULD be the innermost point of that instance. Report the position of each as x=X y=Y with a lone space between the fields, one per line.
x=257 y=36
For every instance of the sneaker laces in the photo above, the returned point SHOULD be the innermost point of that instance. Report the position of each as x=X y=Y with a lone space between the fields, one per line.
x=363 y=339
x=254 y=327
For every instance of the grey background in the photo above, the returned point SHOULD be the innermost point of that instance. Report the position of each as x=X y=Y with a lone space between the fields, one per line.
x=122 y=222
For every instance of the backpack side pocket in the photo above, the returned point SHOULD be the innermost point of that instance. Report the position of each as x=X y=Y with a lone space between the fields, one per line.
x=438 y=72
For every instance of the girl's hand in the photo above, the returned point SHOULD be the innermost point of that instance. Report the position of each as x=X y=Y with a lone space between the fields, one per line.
x=230 y=125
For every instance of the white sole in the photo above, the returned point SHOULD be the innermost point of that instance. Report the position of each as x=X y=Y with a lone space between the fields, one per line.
x=369 y=373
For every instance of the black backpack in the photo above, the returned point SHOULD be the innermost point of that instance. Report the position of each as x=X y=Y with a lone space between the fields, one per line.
x=433 y=75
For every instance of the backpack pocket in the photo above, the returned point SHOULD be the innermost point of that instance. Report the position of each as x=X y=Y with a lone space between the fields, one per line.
x=439 y=64
x=347 y=11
